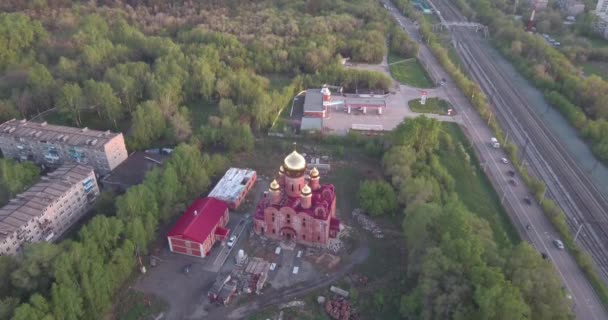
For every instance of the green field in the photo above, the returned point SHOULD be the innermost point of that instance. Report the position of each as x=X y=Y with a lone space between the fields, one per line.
x=474 y=188
x=597 y=68
x=432 y=105
x=409 y=72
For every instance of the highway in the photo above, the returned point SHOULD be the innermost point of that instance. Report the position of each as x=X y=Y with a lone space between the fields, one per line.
x=585 y=302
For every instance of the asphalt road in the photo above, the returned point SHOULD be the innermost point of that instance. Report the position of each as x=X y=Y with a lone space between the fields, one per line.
x=585 y=302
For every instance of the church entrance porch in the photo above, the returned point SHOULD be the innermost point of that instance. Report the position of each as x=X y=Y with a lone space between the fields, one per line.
x=288 y=234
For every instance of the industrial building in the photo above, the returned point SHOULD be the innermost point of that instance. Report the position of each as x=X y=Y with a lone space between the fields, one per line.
x=234 y=186
x=197 y=230
x=297 y=210
x=53 y=145
x=571 y=7
x=316 y=103
x=48 y=208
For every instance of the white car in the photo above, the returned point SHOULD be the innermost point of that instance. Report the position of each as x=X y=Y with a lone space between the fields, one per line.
x=504 y=160
x=231 y=241
x=559 y=244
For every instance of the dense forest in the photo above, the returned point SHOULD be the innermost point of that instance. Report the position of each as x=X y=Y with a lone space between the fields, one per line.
x=159 y=70
x=457 y=267
x=583 y=100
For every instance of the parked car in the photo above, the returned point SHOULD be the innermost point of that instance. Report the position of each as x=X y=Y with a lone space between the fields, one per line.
x=528 y=201
x=512 y=182
x=504 y=160
x=231 y=241
x=558 y=244
x=511 y=173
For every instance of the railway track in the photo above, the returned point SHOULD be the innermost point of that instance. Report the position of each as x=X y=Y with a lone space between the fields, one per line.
x=567 y=184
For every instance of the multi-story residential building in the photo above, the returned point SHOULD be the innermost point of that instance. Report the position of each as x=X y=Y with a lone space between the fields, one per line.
x=53 y=145
x=48 y=208
x=539 y=4
x=602 y=8
x=601 y=23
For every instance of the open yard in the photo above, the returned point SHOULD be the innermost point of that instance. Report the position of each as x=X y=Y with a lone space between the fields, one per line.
x=432 y=105
x=409 y=72
x=473 y=187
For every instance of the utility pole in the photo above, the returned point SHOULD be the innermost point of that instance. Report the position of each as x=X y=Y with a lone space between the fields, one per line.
x=523 y=156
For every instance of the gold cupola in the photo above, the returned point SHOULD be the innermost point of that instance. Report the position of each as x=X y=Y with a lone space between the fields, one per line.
x=274 y=185
x=294 y=164
x=314 y=173
x=306 y=191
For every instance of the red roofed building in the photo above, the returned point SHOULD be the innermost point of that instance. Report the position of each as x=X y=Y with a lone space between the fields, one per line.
x=297 y=209
x=197 y=230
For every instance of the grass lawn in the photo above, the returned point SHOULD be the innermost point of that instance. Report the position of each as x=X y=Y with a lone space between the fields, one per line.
x=474 y=188
x=597 y=68
x=409 y=72
x=432 y=105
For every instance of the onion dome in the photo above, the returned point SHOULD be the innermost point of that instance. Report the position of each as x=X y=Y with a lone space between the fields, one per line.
x=281 y=170
x=294 y=164
x=306 y=191
x=314 y=173
x=274 y=185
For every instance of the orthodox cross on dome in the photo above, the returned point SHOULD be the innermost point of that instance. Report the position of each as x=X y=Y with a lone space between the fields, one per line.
x=294 y=146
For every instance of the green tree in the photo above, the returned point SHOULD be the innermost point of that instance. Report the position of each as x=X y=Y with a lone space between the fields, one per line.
x=41 y=83
x=377 y=198
x=70 y=101
x=101 y=97
x=148 y=124
x=37 y=308
x=16 y=177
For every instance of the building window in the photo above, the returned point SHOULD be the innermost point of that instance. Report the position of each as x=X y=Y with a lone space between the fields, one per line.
x=319 y=238
x=288 y=216
x=304 y=236
x=272 y=219
x=292 y=189
x=273 y=231
x=288 y=221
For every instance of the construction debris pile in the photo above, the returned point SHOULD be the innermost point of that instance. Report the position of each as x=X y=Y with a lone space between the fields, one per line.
x=248 y=276
x=368 y=224
x=339 y=309
x=336 y=244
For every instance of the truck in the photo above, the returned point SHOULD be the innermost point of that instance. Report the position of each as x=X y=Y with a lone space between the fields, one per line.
x=494 y=143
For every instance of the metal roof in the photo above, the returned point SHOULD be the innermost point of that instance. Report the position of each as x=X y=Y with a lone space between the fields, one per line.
x=232 y=184
x=311 y=123
x=32 y=202
x=197 y=223
x=56 y=134
x=313 y=101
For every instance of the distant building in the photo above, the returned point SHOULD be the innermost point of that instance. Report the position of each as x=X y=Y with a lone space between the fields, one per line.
x=298 y=210
x=197 y=230
x=601 y=23
x=132 y=171
x=539 y=4
x=48 y=208
x=602 y=8
x=571 y=7
x=53 y=145
x=234 y=186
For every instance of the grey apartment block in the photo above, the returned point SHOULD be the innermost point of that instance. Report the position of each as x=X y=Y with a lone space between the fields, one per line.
x=47 y=209
x=53 y=145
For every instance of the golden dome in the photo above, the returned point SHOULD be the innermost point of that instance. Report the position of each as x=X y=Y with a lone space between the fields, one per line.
x=274 y=185
x=281 y=170
x=306 y=191
x=314 y=173
x=294 y=162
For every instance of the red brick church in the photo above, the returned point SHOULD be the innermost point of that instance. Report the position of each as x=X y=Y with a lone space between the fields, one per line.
x=296 y=208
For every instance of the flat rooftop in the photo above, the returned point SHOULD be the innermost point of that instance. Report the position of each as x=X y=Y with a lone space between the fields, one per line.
x=232 y=184
x=133 y=170
x=77 y=137
x=313 y=101
x=32 y=202
x=372 y=103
